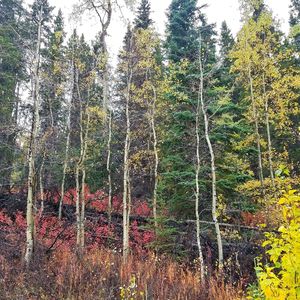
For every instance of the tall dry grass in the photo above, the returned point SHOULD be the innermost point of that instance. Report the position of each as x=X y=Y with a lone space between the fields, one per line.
x=100 y=274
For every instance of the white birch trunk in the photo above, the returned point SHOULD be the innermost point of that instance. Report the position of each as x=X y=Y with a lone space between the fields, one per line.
x=126 y=189
x=65 y=166
x=197 y=167
x=42 y=185
x=78 y=210
x=156 y=158
x=108 y=166
x=80 y=167
x=32 y=147
x=213 y=167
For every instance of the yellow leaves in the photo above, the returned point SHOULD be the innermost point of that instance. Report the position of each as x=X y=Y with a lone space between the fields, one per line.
x=58 y=35
x=281 y=278
x=97 y=115
x=131 y=291
x=140 y=159
x=266 y=243
x=251 y=189
x=57 y=68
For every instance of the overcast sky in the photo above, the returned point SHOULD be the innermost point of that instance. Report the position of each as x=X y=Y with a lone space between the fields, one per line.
x=217 y=11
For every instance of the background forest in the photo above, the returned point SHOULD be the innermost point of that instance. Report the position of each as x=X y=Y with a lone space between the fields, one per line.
x=173 y=174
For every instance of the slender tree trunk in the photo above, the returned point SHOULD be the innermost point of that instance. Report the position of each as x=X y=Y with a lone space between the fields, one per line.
x=213 y=167
x=197 y=167
x=82 y=215
x=32 y=148
x=105 y=20
x=80 y=167
x=15 y=124
x=126 y=189
x=42 y=199
x=257 y=135
x=270 y=156
x=78 y=208
x=125 y=192
x=65 y=166
x=108 y=167
x=128 y=214
x=156 y=159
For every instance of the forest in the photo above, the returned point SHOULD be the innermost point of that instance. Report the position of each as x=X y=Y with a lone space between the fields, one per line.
x=168 y=172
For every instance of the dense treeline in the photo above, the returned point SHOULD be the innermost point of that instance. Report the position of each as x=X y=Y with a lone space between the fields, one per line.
x=196 y=128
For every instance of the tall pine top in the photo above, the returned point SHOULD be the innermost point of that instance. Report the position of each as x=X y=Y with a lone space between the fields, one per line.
x=143 y=20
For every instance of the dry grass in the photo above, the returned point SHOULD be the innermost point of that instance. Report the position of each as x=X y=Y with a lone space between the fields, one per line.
x=101 y=274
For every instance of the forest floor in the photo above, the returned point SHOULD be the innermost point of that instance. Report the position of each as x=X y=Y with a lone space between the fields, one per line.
x=58 y=271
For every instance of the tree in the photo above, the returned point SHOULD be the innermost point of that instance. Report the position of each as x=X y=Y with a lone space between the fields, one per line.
x=70 y=55
x=176 y=163
x=11 y=74
x=259 y=41
x=139 y=88
x=206 y=61
x=103 y=11
x=40 y=16
x=142 y=19
x=294 y=13
x=52 y=89
x=226 y=43
x=180 y=33
x=295 y=26
x=127 y=68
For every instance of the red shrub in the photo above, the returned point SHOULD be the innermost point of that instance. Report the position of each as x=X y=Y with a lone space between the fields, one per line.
x=20 y=220
x=141 y=208
x=4 y=218
x=140 y=237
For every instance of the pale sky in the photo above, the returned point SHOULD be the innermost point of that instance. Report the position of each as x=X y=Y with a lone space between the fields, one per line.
x=217 y=11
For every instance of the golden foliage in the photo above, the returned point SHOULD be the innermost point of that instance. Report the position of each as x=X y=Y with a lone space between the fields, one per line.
x=280 y=278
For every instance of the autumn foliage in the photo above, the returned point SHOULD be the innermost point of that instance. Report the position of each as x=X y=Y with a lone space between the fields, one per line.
x=100 y=274
x=57 y=271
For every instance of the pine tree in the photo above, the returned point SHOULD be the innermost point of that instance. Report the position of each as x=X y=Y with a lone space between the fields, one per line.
x=226 y=41
x=294 y=13
x=142 y=19
x=226 y=128
x=181 y=32
x=11 y=74
x=178 y=180
x=295 y=23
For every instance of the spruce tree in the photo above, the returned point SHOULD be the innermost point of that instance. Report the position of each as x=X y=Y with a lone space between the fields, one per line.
x=295 y=23
x=142 y=19
x=294 y=13
x=52 y=90
x=11 y=74
x=226 y=40
x=178 y=179
x=181 y=32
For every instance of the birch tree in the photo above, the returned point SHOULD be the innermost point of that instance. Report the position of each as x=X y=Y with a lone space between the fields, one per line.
x=201 y=102
x=40 y=14
x=197 y=169
x=68 y=129
x=126 y=169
